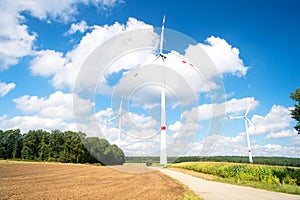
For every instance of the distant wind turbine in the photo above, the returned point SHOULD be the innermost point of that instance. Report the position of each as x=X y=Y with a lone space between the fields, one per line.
x=247 y=123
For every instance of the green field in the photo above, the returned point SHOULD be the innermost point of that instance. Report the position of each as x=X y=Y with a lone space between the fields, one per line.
x=274 y=178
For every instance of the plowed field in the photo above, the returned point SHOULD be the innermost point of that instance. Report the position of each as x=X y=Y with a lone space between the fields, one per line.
x=21 y=180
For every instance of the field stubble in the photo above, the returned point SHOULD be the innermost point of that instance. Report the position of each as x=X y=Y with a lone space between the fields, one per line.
x=21 y=180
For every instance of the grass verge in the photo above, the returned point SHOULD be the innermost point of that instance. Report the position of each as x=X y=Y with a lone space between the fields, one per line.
x=188 y=193
x=241 y=174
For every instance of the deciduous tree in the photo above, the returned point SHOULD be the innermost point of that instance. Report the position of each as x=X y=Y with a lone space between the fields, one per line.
x=296 y=111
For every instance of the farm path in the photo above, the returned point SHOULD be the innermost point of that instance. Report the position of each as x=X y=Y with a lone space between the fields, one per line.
x=210 y=190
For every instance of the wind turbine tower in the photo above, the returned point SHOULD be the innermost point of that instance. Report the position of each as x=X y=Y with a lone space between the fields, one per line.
x=163 y=134
x=247 y=124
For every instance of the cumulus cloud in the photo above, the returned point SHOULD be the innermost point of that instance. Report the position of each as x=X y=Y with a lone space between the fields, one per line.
x=16 y=41
x=140 y=120
x=52 y=112
x=26 y=123
x=225 y=57
x=47 y=62
x=282 y=134
x=56 y=112
x=187 y=79
x=175 y=126
x=219 y=145
x=237 y=145
x=277 y=120
x=66 y=77
x=197 y=81
x=276 y=124
x=208 y=111
x=80 y=27
x=6 y=88
x=57 y=106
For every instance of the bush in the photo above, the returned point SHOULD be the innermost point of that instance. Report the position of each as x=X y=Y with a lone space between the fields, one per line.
x=149 y=162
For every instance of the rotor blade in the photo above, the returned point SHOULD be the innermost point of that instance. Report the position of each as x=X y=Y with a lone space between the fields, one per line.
x=236 y=117
x=114 y=117
x=121 y=104
x=162 y=35
x=249 y=121
x=248 y=108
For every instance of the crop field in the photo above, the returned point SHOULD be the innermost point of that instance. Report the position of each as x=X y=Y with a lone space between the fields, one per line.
x=281 y=179
x=25 y=180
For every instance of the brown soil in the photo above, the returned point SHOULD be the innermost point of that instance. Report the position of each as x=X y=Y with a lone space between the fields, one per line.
x=21 y=180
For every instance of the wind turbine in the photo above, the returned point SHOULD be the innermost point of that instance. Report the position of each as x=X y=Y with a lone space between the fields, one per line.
x=163 y=134
x=119 y=115
x=247 y=123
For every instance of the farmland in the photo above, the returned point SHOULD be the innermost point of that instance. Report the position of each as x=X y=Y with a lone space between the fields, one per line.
x=275 y=178
x=36 y=180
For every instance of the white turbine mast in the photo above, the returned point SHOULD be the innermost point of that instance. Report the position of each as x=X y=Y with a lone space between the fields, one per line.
x=247 y=124
x=163 y=134
x=119 y=115
x=161 y=55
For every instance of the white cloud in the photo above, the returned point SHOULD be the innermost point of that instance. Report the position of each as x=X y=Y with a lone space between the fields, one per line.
x=55 y=9
x=219 y=145
x=175 y=127
x=237 y=145
x=6 y=88
x=184 y=79
x=190 y=78
x=16 y=41
x=277 y=120
x=26 y=123
x=141 y=120
x=282 y=134
x=81 y=27
x=53 y=112
x=57 y=106
x=273 y=150
x=225 y=57
x=47 y=62
x=66 y=77
x=104 y=114
x=277 y=124
x=208 y=111
x=296 y=141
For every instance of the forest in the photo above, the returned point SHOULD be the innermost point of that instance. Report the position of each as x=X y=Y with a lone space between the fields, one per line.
x=58 y=146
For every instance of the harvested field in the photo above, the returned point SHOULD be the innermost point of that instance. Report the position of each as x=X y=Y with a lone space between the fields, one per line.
x=22 y=180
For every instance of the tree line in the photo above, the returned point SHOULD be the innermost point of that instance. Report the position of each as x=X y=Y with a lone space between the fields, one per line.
x=58 y=146
x=281 y=161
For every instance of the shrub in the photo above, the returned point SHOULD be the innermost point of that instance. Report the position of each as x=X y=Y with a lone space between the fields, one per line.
x=149 y=162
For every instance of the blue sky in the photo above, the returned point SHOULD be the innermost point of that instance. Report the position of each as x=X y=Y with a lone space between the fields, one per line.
x=254 y=46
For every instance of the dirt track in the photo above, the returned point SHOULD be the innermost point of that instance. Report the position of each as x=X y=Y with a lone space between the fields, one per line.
x=20 y=180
